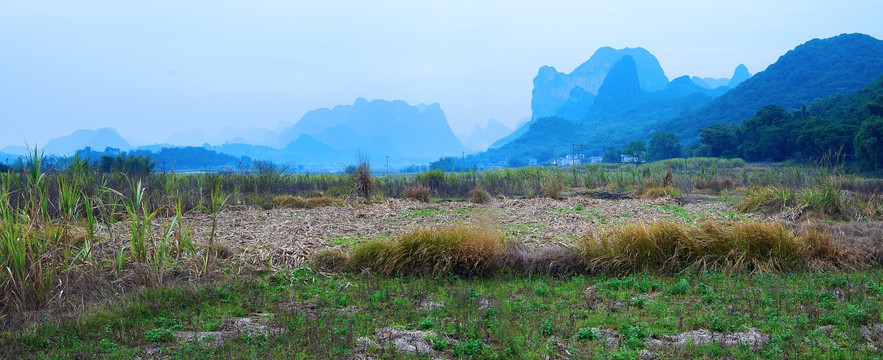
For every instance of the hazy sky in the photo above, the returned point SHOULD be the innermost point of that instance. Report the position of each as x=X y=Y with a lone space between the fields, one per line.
x=152 y=68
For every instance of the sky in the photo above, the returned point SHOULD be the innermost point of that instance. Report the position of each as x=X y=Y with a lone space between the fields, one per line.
x=153 y=68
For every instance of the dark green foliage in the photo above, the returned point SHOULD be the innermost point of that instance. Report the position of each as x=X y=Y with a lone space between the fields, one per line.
x=775 y=135
x=131 y=164
x=449 y=163
x=819 y=137
x=664 y=145
x=766 y=135
x=637 y=150
x=869 y=143
x=612 y=155
x=718 y=140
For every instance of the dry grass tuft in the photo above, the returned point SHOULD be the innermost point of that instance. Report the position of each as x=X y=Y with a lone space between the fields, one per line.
x=747 y=246
x=457 y=249
x=331 y=260
x=655 y=192
x=297 y=202
x=552 y=186
x=417 y=192
x=766 y=199
x=553 y=259
x=715 y=185
x=363 y=183
x=480 y=195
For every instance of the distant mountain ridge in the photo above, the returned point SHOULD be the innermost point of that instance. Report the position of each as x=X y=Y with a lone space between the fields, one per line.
x=814 y=70
x=552 y=89
x=379 y=126
x=482 y=137
x=622 y=111
x=98 y=139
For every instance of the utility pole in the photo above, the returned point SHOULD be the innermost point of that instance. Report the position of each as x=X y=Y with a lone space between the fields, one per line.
x=387 y=165
x=572 y=153
x=464 y=159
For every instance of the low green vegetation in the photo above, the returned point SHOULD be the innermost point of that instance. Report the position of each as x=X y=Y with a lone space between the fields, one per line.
x=307 y=315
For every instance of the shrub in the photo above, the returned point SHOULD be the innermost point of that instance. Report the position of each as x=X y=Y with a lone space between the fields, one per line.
x=480 y=195
x=417 y=192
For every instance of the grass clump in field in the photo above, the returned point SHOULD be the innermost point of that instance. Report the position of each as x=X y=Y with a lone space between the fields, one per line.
x=297 y=202
x=655 y=192
x=552 y=186
x=745 y=246
x=417 y=192
x=480 y=195
x=458 y=249
x=715 y=185
x=765 y=199
x=824 y=201
x=654 y=188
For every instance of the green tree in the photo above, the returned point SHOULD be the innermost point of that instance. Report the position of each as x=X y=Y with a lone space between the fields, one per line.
x=664 y=145
x=612 y=155
x=637 y=150
x=820 y=137
x=766 y=135
x=874 y=108
x=868 y=140
x=869 y=143
x=448 y=163
x=718 y=140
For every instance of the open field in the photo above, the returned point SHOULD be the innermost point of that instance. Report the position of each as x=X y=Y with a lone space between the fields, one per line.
x=679 y=259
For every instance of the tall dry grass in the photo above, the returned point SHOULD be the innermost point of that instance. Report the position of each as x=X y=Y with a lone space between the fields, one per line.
x=458 y=249
x=665 y=247
x=745 y=246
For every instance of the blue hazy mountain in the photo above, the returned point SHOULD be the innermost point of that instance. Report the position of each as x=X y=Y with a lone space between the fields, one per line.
x=392 y=128
x=578 y=104
x=481 y=138
x=739 y=76
x=96 y=139
x=813 y=70
x=621 y=88
x=552 y=89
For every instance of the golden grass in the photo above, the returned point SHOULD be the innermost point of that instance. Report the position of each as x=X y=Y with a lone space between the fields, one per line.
x=457 y=249
x=666 y=247
x=746 y=246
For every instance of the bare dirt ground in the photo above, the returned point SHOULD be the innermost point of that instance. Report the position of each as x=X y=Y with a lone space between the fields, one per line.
x=285 y=238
